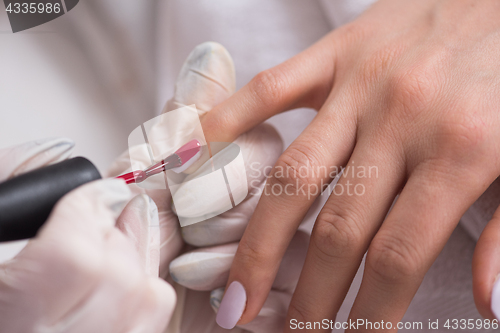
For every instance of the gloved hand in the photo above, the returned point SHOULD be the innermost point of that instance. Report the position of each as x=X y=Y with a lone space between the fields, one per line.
x=93 y=266
x=206 y=79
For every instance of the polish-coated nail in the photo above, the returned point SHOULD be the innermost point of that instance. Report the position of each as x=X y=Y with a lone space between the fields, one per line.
x=495 y=299
x=232 y=306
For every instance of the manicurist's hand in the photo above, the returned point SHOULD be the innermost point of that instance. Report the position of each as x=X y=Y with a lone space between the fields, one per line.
x=93 y=266
x=408 y=97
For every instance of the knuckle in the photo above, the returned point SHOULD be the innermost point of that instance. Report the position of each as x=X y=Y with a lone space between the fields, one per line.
x=292 y=170
x=412 y=91
x=416 y=87
x=352 y=33
x=302 y=310
x=252 y=256
x=336 y=237
x=378 y=63
x=214 y=121
x=269 y=86
x=460 y=133
x=390 y=259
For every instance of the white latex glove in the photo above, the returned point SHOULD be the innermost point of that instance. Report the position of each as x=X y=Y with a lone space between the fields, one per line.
x=206 y=79
x=93 y=266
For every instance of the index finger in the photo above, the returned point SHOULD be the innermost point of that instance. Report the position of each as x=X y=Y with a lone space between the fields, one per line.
x=302 y=81
x=296 y=181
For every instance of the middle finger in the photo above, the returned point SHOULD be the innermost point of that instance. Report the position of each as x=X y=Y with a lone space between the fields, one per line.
x=343 y=231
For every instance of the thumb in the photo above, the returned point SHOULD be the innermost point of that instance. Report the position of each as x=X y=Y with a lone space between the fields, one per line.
x=486 y=270
x=139 y=222
x=85 y=216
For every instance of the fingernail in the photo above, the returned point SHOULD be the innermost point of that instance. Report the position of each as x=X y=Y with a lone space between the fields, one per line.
x=215 y=298
x=232 y=306
x=495 y=299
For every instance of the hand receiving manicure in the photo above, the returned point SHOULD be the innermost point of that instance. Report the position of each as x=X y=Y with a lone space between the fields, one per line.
x=410 y=91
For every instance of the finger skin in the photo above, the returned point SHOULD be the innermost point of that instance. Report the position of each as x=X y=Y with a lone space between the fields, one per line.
x=300 y=174
x=408 y=242
x=342 y=233
x=303 y=81
x=486 y=266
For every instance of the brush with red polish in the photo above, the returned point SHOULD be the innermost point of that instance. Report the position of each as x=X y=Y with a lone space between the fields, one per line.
x=27 y=200
x=179 y=161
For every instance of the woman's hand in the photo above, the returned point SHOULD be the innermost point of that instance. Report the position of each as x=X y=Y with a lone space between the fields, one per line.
x=409 y=93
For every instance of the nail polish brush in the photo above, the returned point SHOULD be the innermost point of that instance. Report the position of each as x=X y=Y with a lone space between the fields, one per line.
x=179 y=161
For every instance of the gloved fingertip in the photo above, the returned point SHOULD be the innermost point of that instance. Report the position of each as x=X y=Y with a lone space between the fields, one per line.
x=139 y=222
x=53 y=149
x=141 y=212
x=164 y=299
x=206 y=79
x=91 y=209
x=203 y=269
x=53 y=141
x=113 y=194
x=164 y=292
x=36 y=154
x=154 y=221
x=216 y=298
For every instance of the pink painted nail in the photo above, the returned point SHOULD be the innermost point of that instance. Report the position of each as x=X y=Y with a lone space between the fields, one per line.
x=232 y=306
x=495 y=300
